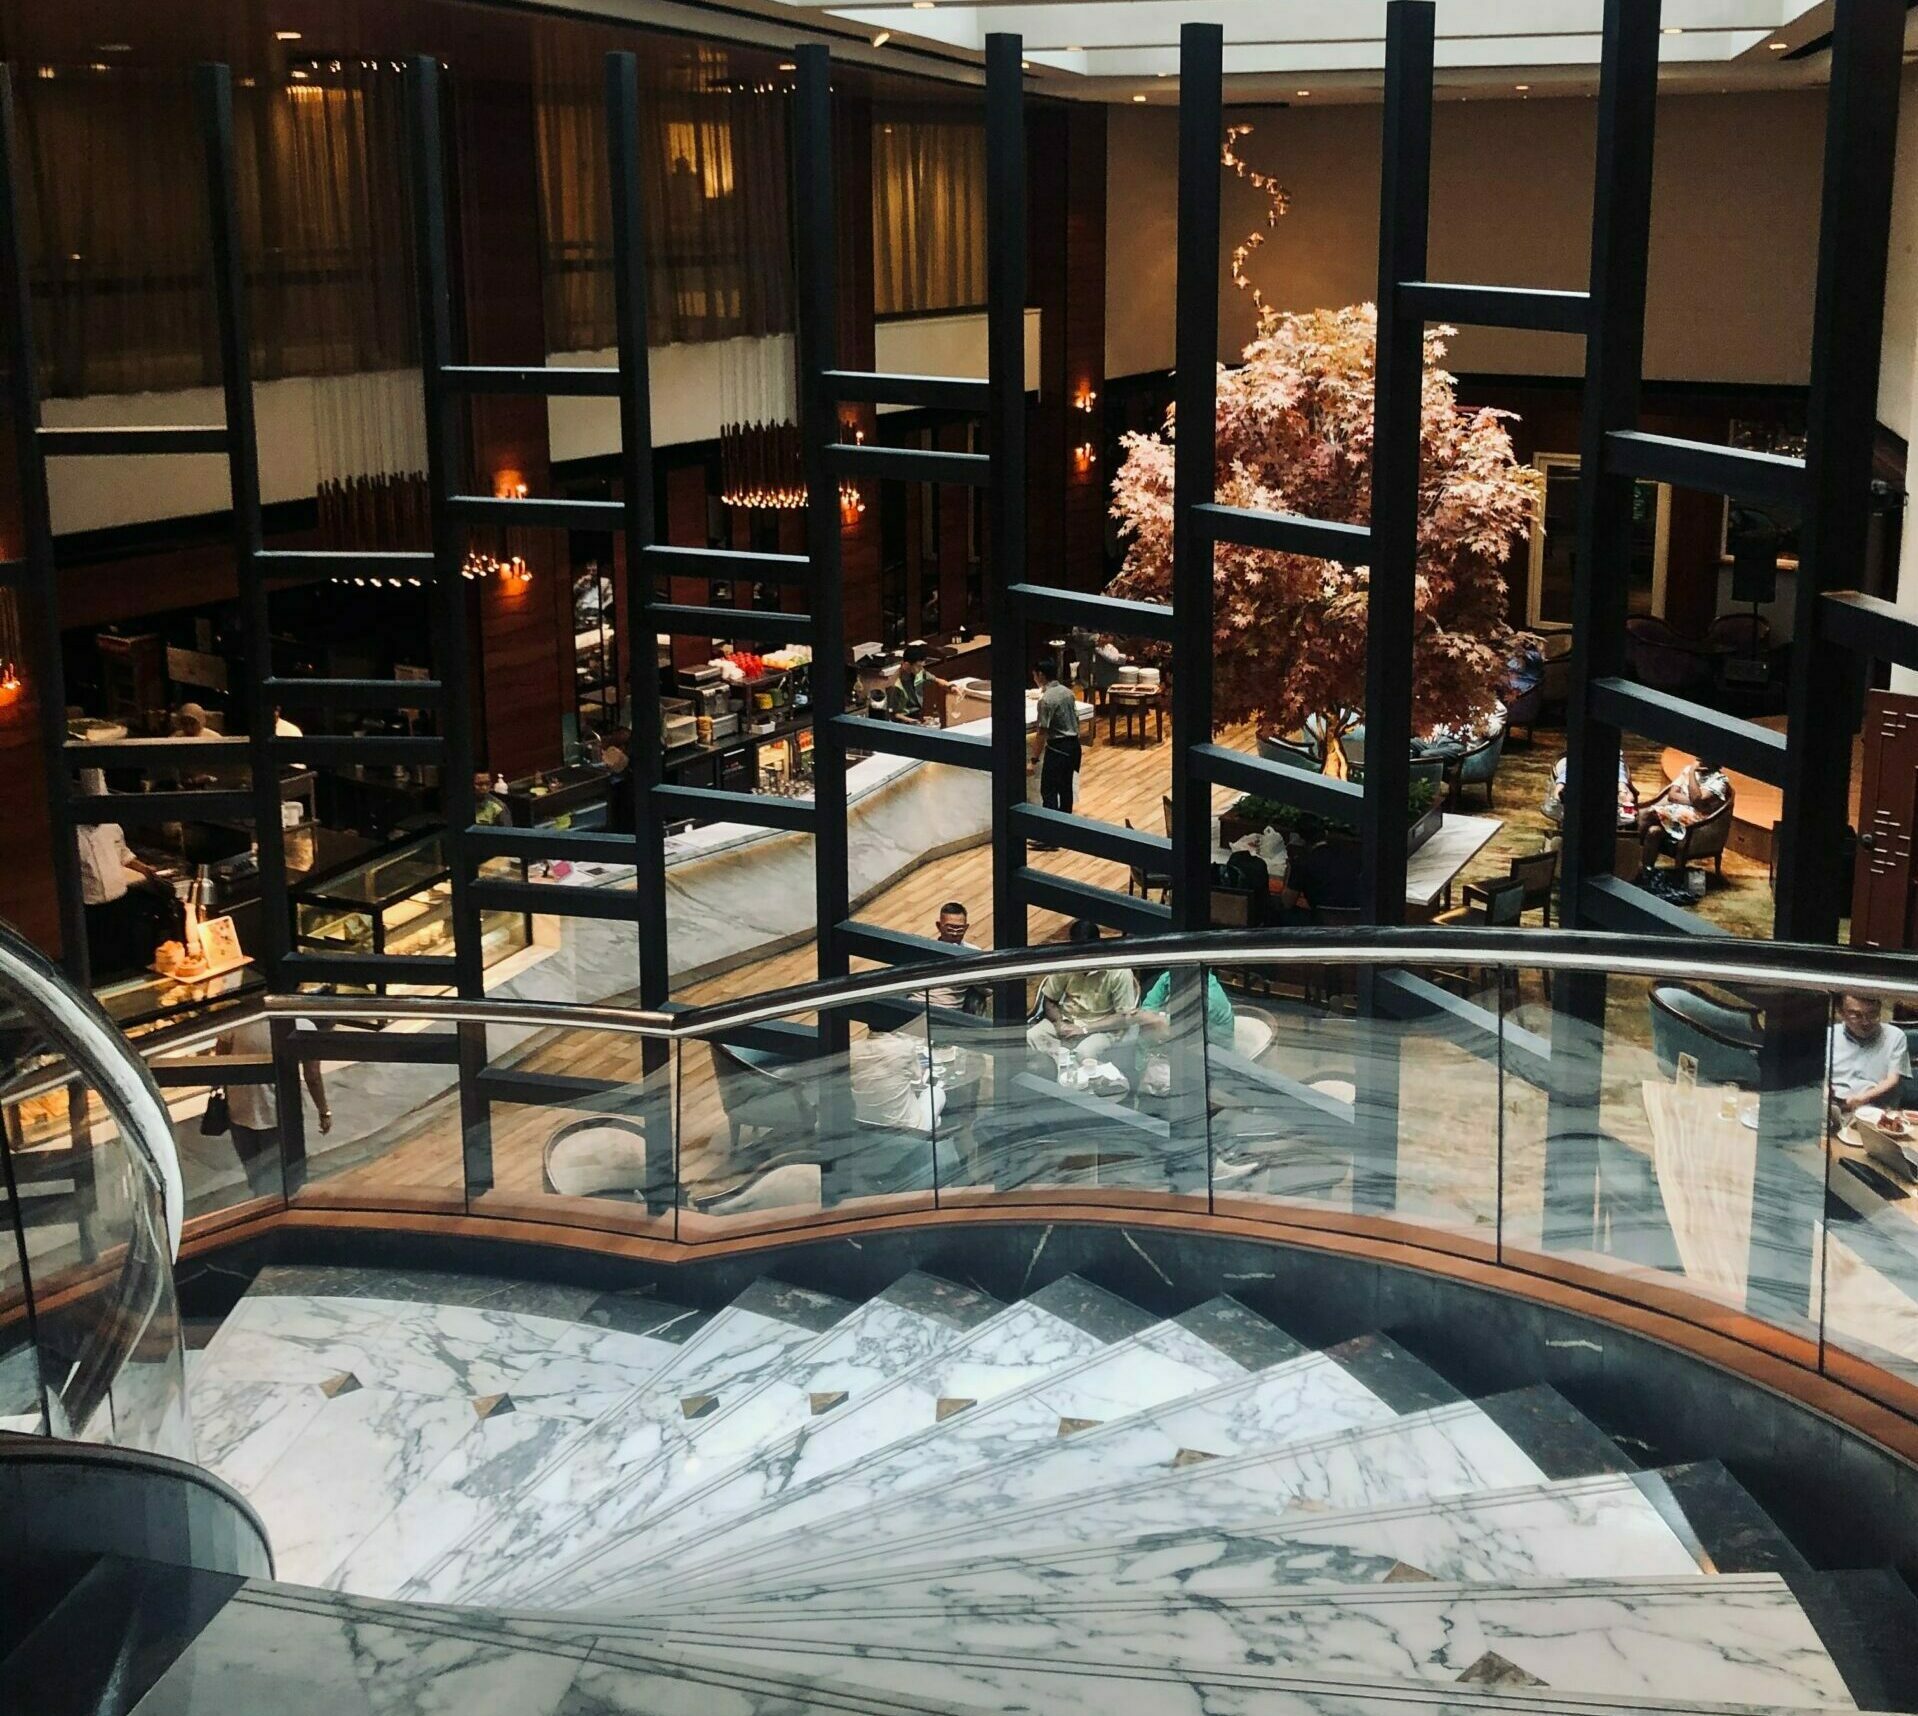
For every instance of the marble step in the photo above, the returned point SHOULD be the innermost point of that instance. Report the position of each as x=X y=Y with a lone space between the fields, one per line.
x=1741 y=1637
x=1029 y=1686
x=1313 y=1395
x=1454 y=1450
x=1603 y=1527
x=909 y=1324
x=1065 y=1322
x=1215 y=1343
x=750 y=1338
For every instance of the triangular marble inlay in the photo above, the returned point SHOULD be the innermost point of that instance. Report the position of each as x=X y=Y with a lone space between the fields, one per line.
x=698 y=1405
x=826 y=1402
x=950 y=1405
x=1072 y=1426
x=345 y=1383
x=1192 y=1457
x=1404 y=1573
x=1306 y=1504
x=492 y=1405
x=1494 y=1670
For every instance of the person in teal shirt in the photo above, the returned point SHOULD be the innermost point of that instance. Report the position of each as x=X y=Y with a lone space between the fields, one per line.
x=1155 y=1008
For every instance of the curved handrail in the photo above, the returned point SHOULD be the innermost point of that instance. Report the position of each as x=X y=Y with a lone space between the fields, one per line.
x=1712 y=959
x=77 y=1025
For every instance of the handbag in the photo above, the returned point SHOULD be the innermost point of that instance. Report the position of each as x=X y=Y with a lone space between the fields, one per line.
x=216 y=1120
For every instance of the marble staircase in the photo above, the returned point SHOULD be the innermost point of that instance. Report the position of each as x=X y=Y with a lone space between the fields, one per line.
x=493 y=1495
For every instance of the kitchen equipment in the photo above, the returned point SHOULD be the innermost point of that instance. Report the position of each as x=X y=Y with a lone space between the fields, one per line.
x=711 y=700
x=694 y=678
x=677 y=724
x=725 y=726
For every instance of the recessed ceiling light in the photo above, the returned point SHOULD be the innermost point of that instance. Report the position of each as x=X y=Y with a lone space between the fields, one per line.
x=286 y=35
x=922 y=5
x=1522 y=88
x=1162 y=74
x=880 y=40
x=1674 y=29
x=1138 y=98
x=1302 y=92
x=1778 y=47
x=1025 y=65
x=787 y=65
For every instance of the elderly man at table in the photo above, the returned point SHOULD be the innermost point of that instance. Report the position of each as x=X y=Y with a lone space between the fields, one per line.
x=1697 y=791
x=1091 y=1012
x=891 y=1086
x=1868 y=1059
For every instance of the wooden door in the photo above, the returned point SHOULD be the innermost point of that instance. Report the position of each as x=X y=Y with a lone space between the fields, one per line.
x=1881 y=900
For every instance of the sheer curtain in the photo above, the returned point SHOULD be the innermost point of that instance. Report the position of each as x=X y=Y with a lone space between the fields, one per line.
x=928 y=212
x=713 y=178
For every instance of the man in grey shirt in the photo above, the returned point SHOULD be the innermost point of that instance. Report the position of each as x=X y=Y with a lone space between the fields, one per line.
x=1056 y=740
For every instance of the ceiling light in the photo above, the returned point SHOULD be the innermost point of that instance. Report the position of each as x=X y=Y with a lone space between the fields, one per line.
x=1025 y=65
x=1778 y=47
x=880 y=40
x=1522 y=88
x=922 y=5
x=297 y=72
x=787 y=65
x=1138 y=98
x=116 y=47
x=286 y=35
x=1674 y=29
x=1301 y=92
x=1163 y=74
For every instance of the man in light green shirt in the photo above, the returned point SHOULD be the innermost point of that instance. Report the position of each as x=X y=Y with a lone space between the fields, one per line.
x=1090 y=1012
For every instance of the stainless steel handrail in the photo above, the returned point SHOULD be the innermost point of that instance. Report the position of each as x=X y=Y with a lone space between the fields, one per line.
x=76 y=1025
x=1715 y=959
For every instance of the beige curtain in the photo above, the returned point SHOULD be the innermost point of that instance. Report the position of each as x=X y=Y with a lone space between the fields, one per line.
x=114 y=199
x=928 y=213
x=713 y=183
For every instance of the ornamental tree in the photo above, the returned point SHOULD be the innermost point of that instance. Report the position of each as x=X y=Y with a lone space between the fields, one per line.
x=1295 y=435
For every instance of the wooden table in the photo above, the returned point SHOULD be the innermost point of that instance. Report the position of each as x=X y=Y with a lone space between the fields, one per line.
x=1133 y=708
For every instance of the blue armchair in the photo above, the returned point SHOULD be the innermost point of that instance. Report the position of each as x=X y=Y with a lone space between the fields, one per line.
x=1479 y=767
x=1723 y=1039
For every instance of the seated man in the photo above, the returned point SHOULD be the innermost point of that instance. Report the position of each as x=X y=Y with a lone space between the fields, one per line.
x=1868 y=1059
x=1091 y=1012
x=1554 y=805
x=891 y=1085
x=1696 y=792
x=1155 y=1011
x=952 y=925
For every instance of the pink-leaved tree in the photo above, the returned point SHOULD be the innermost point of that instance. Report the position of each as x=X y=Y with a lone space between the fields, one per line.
x=1295 y=435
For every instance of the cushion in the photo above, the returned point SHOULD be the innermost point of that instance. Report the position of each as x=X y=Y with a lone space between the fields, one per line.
x=587 y=1159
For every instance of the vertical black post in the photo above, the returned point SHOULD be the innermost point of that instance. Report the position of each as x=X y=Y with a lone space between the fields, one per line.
x=636 y=478
x=1847 y=336
x=213 y=92
x=1195 y=454
x=817 y=227
x=1398 y=388
x=1006 y=498
x=40 y=583
x=1614 y=360
x=444 y=459
x=636 y=482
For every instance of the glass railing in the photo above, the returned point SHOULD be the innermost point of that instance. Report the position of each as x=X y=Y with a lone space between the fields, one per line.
x=90 y=1332
x=1634 y=1118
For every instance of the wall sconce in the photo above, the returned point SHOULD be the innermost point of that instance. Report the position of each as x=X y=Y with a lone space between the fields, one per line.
x=9 y=678
x=1082 y=456
x=509 y=485
x=851 y=502
x=1085 y=398
x=516 y=571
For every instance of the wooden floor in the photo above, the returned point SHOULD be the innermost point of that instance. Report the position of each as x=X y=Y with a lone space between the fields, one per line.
x=419 y=1156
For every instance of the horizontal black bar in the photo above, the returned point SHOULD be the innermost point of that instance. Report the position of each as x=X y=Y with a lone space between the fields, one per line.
x=1099 y=613
x=1608 y=903
x=1134 y=846
x=896 y=947
x=553 y=899
x=690 y=621
x=1285 y=533
x=909 y=464
x=560 y=1090
x=344 y=563
x=136 y=808
x=738 y=563
x=132 y=440
x=353 y=693
x=904 y=739
x=1870 y=626
x=343 y=750
x=552 y=381
x=1102 y=905
x=1323 y=795
x=1762 y=478
x=1497 y=306
x=535 y=845
x=1477 y=1030
x=1722 y=739
x=391 y=1048
x=756 y=810
x=930 y=392
x=431 y=970
x=139 y=753
x=534 y=512
x=190 y=1072
x=774 y=1037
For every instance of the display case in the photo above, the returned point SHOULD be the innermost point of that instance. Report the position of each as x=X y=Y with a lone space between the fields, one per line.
x=396 y=904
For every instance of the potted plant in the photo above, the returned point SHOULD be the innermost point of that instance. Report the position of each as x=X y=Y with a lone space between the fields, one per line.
x=1424 y=810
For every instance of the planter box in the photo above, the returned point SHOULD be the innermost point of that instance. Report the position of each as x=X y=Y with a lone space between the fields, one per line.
x=1233 y=827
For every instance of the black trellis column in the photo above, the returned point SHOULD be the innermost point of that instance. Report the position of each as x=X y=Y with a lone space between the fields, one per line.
x=816 y=229
x=1398 y=384
x=1847 y=338
x=445 y=458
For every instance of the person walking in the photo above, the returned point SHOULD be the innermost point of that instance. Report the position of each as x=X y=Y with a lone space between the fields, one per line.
x=1056 y=750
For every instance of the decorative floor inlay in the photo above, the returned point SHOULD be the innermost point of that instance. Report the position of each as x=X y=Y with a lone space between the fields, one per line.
x=827 y=1401
x=334 y=1386
x=1192 y=1457
x=492 y=1405
x=698 y=1405
x=948 y=1406
x=1491 y=1669
x=1072 y=1426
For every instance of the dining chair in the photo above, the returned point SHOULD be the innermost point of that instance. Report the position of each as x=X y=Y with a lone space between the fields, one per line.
x=1538 y=872
x=1145 y=883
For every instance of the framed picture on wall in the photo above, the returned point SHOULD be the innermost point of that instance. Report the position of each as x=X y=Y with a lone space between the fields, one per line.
x=1554 y=556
